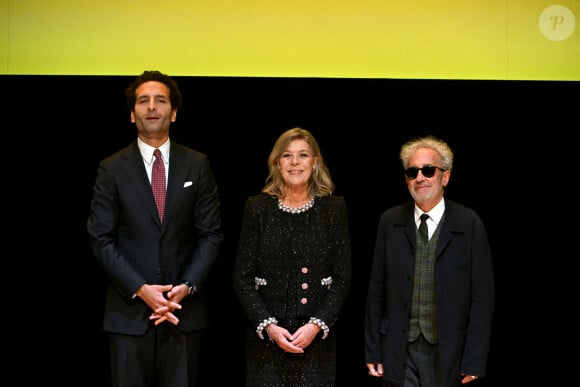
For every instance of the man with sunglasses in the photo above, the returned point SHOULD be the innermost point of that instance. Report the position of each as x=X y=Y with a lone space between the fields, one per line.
x=430 y=301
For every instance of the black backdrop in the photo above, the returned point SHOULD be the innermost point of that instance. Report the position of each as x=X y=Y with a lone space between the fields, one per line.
x=505 y=135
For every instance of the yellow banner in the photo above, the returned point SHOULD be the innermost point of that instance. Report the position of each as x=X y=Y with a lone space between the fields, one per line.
x=424 y=39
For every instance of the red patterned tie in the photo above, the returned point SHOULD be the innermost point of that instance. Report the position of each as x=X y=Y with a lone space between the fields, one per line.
x=158 y=183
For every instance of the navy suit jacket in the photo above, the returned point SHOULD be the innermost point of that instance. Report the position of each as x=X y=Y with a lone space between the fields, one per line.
x=464 y=292
x=134 y=248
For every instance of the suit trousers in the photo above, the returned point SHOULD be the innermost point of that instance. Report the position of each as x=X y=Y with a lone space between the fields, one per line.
x=422 y=367
x=162 y=357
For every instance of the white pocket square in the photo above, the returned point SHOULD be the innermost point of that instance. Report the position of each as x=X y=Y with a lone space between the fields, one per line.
x=187 y=184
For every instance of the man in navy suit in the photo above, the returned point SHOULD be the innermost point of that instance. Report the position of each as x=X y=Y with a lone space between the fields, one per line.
x=156 y=264
x=430 y=299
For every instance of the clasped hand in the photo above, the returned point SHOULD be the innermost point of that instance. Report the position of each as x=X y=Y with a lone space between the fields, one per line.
x=163 y=300
x=293 y=343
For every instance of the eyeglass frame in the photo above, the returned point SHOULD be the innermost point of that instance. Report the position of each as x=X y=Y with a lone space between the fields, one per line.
x=428 y=171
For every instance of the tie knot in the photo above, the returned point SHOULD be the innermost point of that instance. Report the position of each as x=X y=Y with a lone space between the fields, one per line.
x=157 y=153
x=424 y=217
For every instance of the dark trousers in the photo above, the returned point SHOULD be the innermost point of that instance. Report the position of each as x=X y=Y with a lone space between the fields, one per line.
x=422 y=368
x=162 y=357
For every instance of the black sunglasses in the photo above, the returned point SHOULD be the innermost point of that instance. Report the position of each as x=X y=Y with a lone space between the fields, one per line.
x=426 y=170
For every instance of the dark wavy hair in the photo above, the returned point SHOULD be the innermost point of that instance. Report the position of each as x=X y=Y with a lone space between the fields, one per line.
x=174 y=92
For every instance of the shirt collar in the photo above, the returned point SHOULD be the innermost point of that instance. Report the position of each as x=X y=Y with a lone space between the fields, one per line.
x=435 y=214
x=147 y=151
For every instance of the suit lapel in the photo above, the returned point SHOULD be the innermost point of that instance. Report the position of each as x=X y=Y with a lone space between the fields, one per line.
x=136 y=174
x=177 y=176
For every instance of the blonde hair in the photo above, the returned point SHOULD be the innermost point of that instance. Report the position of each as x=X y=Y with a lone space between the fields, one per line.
x=320 y=183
